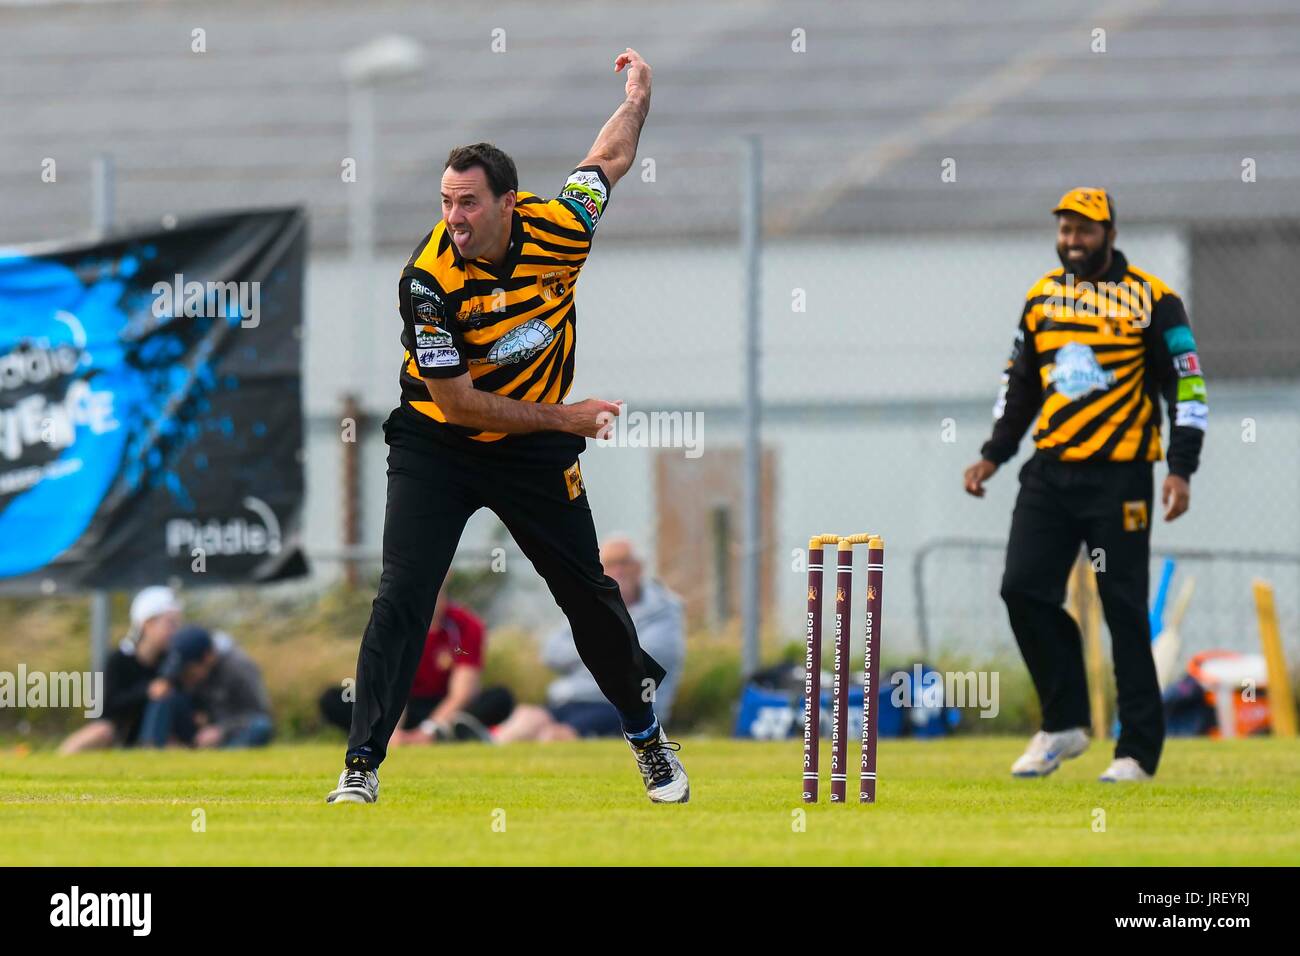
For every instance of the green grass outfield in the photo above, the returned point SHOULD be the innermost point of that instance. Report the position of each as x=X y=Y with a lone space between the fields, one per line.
x=949 y=802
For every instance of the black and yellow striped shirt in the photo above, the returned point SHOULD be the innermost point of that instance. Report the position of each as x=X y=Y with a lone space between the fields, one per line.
x=1090 y=362
x=512 y=326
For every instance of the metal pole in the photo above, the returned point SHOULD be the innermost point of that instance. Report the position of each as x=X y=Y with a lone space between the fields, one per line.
x=361 y=254
x=361 y=132
x=351 y=485
x=103 y=207
x=99 y=621
x=361 y=218
x=751 y=227
x=102 y=199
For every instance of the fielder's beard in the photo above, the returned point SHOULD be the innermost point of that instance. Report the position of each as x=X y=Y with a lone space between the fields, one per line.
x=1090 y=267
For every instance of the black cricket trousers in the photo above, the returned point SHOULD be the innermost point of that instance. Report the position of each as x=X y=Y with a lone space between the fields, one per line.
x=433 y=489
x=1106 y=505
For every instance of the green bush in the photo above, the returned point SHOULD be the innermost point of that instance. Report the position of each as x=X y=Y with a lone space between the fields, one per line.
x=307 y=643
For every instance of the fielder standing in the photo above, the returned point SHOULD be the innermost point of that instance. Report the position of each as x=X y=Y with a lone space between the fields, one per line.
x=1100 y=341
x=489 y=328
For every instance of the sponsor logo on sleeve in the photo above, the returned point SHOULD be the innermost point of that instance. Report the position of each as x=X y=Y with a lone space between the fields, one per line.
x=1017 y=344
x=427 y=301
x=1191 y=389
x=1179 y=340
x=1000 y=403
x=1188 y=364
x=589 y=181
x=438 y=358
x=432 y=337
x=419 y=288
x=586 y=193
x=1192 y=415
x=426 y=310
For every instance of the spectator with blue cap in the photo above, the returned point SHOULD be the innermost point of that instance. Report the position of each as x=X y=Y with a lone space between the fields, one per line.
x=211 y=695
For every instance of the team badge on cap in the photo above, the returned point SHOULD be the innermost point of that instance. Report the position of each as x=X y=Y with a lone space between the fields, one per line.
x=1087 y=201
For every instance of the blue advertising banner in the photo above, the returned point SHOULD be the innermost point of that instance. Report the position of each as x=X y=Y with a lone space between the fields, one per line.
x=150 y=406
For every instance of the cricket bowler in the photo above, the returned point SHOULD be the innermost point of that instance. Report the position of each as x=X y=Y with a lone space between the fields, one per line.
x=1100 y=342
x=489 y=328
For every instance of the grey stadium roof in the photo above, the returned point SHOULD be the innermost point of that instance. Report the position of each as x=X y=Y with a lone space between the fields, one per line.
x=854 y=129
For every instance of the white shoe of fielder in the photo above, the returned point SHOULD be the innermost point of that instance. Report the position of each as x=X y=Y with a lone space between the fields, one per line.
x=1046 y=751
x=355 y=786
x=665 y=779
x=1125 y=770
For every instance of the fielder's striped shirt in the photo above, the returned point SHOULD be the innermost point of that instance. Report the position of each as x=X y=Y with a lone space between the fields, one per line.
x=1090 y=361
x=511 y=326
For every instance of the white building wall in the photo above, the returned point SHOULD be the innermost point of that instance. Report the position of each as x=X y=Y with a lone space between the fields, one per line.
x=900 y=334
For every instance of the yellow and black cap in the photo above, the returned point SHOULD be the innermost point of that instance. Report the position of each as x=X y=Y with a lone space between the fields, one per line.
x=1089 y=202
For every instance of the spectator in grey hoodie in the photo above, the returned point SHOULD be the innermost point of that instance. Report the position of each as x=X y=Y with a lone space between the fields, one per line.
x=214 y=696
x=575 y=705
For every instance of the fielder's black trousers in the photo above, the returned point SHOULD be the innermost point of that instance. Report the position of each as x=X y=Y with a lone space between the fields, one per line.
x=1060 y=506
x=433 y=489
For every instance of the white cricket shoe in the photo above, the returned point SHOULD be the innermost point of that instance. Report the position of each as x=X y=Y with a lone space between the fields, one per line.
x=1125 y=770
x=665 y=779
x=1046 y=751
x=355 y=786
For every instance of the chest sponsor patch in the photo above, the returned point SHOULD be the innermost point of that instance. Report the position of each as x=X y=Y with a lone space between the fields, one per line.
x=473 y=316
x=1189 y=363
x=553 y=285
x=1077 y=373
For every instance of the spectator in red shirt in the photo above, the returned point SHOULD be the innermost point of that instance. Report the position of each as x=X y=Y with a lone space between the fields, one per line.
x=447 y=700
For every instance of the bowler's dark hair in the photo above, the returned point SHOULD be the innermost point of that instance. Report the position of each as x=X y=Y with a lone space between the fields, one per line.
x=496 y=165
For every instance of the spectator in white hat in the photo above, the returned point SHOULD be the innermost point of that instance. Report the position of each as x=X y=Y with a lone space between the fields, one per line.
x=131 y=673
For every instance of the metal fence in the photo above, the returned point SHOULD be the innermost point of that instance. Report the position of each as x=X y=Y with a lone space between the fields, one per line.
x=958 y=610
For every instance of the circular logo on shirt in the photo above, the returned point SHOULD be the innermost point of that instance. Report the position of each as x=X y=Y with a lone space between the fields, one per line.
x=521 y=343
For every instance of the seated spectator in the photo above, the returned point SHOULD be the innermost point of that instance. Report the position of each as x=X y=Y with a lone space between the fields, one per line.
x=129 y=671
x=210 y=694
x=447 y=700
x=575 y=705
